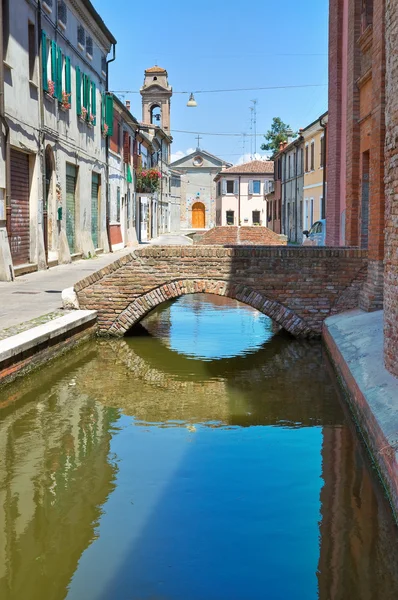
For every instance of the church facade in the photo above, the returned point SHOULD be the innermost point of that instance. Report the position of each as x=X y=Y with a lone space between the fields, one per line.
x=198 y=189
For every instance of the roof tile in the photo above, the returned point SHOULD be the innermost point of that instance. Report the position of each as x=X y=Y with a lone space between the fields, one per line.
x=255 y=166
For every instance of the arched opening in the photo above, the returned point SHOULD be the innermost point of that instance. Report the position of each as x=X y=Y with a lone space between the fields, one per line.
x=49 y=208
x=198 y=215
x=142 y=305
x=156 y=115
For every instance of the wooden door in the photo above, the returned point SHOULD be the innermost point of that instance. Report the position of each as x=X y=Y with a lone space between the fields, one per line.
x=70 y=206
x=94 y=208
x=20 y=235
x=198 y=216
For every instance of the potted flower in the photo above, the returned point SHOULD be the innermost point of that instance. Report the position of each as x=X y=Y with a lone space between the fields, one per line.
x=148 y=180
x=65 y=102
x=91 y=119
x=83 y=114
x=105 y=130
x=50 y=88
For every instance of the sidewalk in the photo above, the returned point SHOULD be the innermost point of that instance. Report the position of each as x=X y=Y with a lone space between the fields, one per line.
x=38 y=294
x=355 y=343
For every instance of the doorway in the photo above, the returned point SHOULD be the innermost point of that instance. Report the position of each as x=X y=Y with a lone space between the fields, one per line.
x=48 y=208
x=95 y=186
x=20 y=212
x=71 y=207
x=198 y=216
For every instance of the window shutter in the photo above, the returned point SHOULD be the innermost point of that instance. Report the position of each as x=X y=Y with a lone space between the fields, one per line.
x=88 y=98
x=250 y=186
x=224 y=186
x=78 y=92
x=59 y=75
x=44 y=60
x=54 y=63
x=102 y=110
x=68 y=86
x=236 y=186
x=94 y=101
x=109 y=113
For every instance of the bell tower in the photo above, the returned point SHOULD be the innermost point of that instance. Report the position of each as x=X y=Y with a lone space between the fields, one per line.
x=156 y=94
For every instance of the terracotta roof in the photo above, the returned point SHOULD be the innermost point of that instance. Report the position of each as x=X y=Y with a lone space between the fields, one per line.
x=255 y=166
x=155 y=69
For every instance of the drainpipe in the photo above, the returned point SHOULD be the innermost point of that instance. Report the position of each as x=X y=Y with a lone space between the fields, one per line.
x=107 y=201
x=239 y=201
x=324 y=127
x=42 y=144
x=6 y=137
x=296 y=196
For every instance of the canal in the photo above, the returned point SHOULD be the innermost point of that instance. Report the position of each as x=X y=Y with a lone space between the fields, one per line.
x=207 y=456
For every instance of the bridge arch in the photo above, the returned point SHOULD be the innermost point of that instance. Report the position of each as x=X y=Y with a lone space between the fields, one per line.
x=143 y=304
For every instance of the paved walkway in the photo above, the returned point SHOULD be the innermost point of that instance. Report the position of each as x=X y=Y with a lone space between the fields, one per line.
x=171 y=239
x=36 y=295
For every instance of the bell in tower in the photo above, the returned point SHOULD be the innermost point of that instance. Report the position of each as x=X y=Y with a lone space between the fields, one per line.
x=156 y=94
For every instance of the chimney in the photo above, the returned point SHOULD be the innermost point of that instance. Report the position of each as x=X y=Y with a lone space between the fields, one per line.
x=281 y=146
x=128 y=104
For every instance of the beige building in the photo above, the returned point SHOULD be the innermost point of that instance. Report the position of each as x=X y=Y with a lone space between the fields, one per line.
x=314 y=205
x=241 y=193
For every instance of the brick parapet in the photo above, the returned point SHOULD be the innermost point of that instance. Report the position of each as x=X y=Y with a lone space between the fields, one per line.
x=307 y=283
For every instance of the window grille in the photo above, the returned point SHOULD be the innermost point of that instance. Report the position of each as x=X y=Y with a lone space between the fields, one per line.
x=81 y=35
x=89 y=45
x=62 y=12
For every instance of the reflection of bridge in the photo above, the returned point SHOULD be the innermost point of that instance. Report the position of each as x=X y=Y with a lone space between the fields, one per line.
x=297 y=287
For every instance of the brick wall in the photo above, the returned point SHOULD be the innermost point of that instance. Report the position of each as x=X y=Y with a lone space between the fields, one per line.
x=391 y=180
x=333 y=205
x=230 y=235
x=297 y=287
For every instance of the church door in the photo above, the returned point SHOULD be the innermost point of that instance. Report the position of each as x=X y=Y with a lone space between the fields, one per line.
x=198 y=216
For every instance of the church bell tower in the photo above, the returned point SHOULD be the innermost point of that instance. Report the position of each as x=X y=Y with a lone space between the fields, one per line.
x=156 y=94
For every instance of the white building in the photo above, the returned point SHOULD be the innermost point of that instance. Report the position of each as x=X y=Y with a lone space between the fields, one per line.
x=56 y=113
x=241 y=193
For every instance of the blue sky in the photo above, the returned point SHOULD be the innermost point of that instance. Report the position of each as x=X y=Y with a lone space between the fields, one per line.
x=214 y=44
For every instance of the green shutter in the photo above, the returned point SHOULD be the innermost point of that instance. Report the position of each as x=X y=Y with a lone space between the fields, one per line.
x=68 y=86
x=102 y=111
x=109 y=113
x=54 y=65
x=44 y=60
x=94 y=101
x=58 y=93
x=78 y=91
x=88 y=91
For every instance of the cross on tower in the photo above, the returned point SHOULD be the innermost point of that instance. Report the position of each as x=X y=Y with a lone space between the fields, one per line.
x=199 y=138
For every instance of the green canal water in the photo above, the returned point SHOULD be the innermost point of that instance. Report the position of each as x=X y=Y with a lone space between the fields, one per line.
x=207 y=457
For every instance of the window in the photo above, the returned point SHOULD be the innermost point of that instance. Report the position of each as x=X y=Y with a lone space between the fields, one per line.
x=62 y=13
x=301 y=214
x=89 y=46
x=312 y=156
x=81 y=36
x=103 y=64
x=230 y=217
x=230 y=186
x=312 y=211
x=32 y=52
x=322 y=158
x=301 y=161
x=256 y=186
x=306 y=159
x=366 y=14
x=256 y=217
x=275 y=208
x=289 y=167
x=219 y=188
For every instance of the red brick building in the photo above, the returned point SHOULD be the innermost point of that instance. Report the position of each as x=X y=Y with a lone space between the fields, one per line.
x=356 y=206
x=391 y=172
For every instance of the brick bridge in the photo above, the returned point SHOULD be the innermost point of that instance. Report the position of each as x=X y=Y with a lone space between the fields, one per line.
x=297 y=287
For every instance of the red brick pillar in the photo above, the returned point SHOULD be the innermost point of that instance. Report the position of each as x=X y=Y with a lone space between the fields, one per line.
x=353 y=128
x=391 y=179
x=372 y=294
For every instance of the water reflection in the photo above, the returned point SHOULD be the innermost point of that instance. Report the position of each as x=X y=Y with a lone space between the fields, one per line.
x=152 y=467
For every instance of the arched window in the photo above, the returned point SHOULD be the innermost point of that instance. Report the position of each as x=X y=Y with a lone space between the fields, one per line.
x=156 y=115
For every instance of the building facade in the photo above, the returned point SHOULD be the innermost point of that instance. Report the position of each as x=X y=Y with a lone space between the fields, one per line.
x=122 y=180
x=240 y=193
x=291 y=156
x=355 y=149
x=198 y=188
x=274 y=200
x=55 y=117
x=315 y=184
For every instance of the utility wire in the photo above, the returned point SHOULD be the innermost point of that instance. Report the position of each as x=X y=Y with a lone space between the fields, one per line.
x=249 y=89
